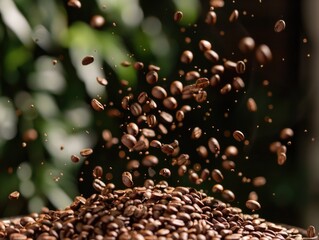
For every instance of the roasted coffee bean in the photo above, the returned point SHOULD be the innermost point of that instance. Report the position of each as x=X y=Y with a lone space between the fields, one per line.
x=166 y=117
x=280 y=25
x=211 y=18
x=178 y=16
x=159 y=92
x=253 y=196
x=98 y=172
x=196 y=133
x=311 y=232
x=74 y=3
x=231 y=151
x=238 y=83
x=217 y=188
x=97 y=21
x=153 y=67
x=214 y=80
x=204 y=45
x=165 y=172
x=147 y=132
x=286 y=133
x=213 y=145
x=133 y=164
x=167 y=149
x=281 y=158
x=102 y=81
x=86 y=152
x=136 y=109
x=162 y=129
x=182 y=170
x=176 y=88
x=152 y=77
x=238 y=136
x=187 y=57
x=211 y=56
x=202 y=151
x=138 y=65
x=192 y=75
x=127 y=179
x=98 y=185
x=218 y=69
x=149 y=161
x=14 y=195
x=125 y=103
x=204 y=174
x=87 y=60
x=234 y=16
x=251 y=105
x=228 y=195
x=201 y=96
x=170 y=103
x=217 y=176
x=202 y=83
x=142 y=98
x=259 y=181
x=132 y=129
x=246 y=44
x=142 y=144
x=253 y=205
x=263 y=54
x=128 y=140
x=230 y=65
x=155 y=144
x=225 y=89
x=240 y=67
x=96 y=105
x=75 y=158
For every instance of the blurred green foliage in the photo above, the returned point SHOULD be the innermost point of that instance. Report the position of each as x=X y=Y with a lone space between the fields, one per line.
x=54 y=99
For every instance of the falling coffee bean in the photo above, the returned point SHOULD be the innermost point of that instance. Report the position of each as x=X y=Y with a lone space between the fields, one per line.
x=238 y=136
x=97 y=21
x=187 y=57
x=14 y=195
x=234 y=16
x=311 y=232
x=280 y=25
x=253 y=205
x=165 y=172
x=178 y=16
x=86 y=152
x=240 y=67
x=263 y=54
x=127 y=179
x=75 y=158
x=217 y=175
x=132 y=128
x=176 y=88
x=228 y=195
x=246 y=44
x=152 y=77
x=251 y=105
x=102 y=81
x=211 y=18
x=87 y=60
x=286 y=133
x=97 y=172
x=74 y=3
x=204 y=45
x=128 y=140
x=96 y=105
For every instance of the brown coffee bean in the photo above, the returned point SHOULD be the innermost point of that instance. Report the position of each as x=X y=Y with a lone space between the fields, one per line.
x=263 y=54
x=202 y=151
x=204 y=45
x=132 y=129
x=170 y=103
x=281 y=158
x=176 y=88
x=159 y=92
x=238 y=83
x=211 y=56
x=217 y=188
x=217 y=175
x=142 y=98
x=166 y=117
x=213 y=145
x=196 y=133
x=192 y=75
x=182 y=170
x=202 y=83
x=98 y=172
x=253 y=205
x=225 y=89
x=153 y=67
x=217 y=69
x=240 y=67
x=151 y=120
x=282 y=149
x=74 y=3
x=251 y=105
x=98 y=185
x=127 y=179
x=162 y=129
x=102 y=81
x=138 y=66
x=253 y=196
x=87 y=60
x=86 y=152
x=259 y=181
x=180 y=116
x=75 y=158
x=217 y=3
x=128 y=140
x=214 y=80
x=211 y=18
x=133 y=164
x=234 y=16
x=165 y=172
x=167 y=149
x=280 y=25
x=238 y=136
x=136 y=109
x=178 y=15
x=96 y=105
x=286 y=133
x=201 y=96
x=228 y=195
x=149 y=161
x=125 y=102
x=204 y=174
x=230 y=65
x=311 y=232
x=231 y=151
x=187 y=57
x=148 y=133
x=97 y=21
x=246 y=44
x=152 y=77
x=155 y=144
x=14 y=195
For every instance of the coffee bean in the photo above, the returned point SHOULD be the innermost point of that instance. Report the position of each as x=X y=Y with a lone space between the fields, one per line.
x=231 y=151
x=74 y=3
x=152 y=77
x=311 y=232
x=225 y=89
x=202 y=151
x=217 y=188
x=132 y=129
x=259 y=181
x=218 y=69
x=98 y=185
x=211 y=56
x=280 y=25
x=176 y=88
x=142 y=98
x=238 y=83
x=128 y=140
x=263 y=54
x=138 y=65
x=125 y=102
x=201 y=96
x=75 y=158
x=286 y=133
x=253 y=196
x=230 y=65
x=96 y=105
x=153 y=67
x=253 y=205
x=281 y=158
x=14 y=195
x=155 y=144
x=202 y=83
x=246 y=44
x=102 y=81
x=166 y=117
x=148 y=133
x=213 y=145
x=234 y=16
x=133 y=164
x=167 y=149
x=204 y=174
x=204 y=45
x=149 y=161
x=214 y=80
x=182 y=170
x=192 y=75
x=87 y=60
x=86 y=152
x=98 y=172
x=211 y=18
x=217 y=176
x=196 y=133
x=187 y=57
x=238 y=136
x=170 y=103
x=127 y=179
x=178 y=16
x=162 y=129
x=136 y=109
x=165 y=172
x=159 y=92
x=97 y=21
x=228 y=195
x=240 y=67
x=251 y=105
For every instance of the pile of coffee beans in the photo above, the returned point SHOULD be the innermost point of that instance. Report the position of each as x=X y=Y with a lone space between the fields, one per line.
x=149 y=212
